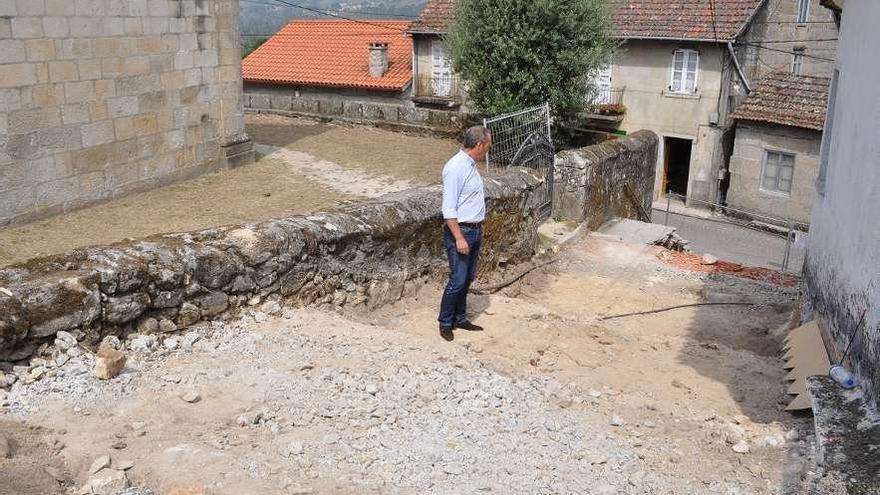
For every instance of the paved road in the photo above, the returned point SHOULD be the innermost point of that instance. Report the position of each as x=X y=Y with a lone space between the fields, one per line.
x=731 y=242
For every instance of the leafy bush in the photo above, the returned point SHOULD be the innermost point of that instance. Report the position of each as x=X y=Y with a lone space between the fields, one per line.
x=519 y=53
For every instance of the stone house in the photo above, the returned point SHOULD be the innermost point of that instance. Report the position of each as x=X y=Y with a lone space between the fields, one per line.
x=681 y=69
x=775 y=158
x=102 y=99
x=841 y=275
x=334 y=59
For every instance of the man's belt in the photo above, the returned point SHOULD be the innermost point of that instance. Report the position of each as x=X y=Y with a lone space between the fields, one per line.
x=471 y=225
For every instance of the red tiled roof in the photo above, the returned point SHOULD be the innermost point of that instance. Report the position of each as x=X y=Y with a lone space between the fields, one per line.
x=641 y=19
x=786 y=99
x=332 y=53
x=681 y=19
x=435 y=17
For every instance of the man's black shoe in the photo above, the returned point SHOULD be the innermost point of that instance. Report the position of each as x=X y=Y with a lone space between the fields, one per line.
x=469 y=327
x=446 y=333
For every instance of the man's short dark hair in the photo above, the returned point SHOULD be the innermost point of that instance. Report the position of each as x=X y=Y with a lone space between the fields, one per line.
x=475 y=136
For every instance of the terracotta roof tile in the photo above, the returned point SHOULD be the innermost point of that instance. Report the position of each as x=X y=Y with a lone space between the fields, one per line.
x=634 y=19
x=332 y=53
x=681 y=19
x=435 y=17
x=797 y=101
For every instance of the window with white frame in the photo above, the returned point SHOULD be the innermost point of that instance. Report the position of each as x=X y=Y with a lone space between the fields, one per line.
x=797 y=60
x=803 y=11
x=685 y=64
x=778 y=172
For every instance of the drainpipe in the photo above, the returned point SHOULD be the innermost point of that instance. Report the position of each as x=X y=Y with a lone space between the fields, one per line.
x=739 y=72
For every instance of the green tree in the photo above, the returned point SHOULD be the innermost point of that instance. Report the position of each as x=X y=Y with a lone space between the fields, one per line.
x=519 y=53
x=248 y=45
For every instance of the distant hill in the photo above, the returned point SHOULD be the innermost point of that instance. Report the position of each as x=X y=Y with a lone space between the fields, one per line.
x=265 y=17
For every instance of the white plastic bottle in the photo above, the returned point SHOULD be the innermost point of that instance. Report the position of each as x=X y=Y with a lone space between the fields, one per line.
x=842 y=376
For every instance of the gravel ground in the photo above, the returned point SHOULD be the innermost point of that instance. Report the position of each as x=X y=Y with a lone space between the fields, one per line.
x=548 y=400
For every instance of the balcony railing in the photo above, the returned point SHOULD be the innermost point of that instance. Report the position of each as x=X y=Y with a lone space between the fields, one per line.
x=608 y=96
x=437 y=90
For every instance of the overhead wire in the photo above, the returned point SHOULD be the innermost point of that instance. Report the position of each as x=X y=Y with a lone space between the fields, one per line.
x=350 y=12
x=337 y=16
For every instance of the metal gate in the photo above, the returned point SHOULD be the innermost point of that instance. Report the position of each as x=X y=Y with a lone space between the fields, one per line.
x=523 y=139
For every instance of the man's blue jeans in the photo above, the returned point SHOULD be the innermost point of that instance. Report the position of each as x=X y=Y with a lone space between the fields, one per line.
x=462 y=271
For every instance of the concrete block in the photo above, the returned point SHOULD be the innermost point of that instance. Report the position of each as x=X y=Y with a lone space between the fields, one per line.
x=12 y=51
x=178 y=25
x=207 y=58
x=156 y=25
x=151 y=102
x=19 y=147
x=136 y=8
x=188 y=42
x=72 y=49
x=105 y=88
x=39 y=50
x=60 y=138
x=173 y=80
x=183 y=60
x=134 y=66
x=111 y=68
x=78 y=92
x=87 y=27
x=43 y=170
x=162 y=63
x=63 y=71
x=14 y=175
x=32 y=119
x=56 y=27
x=42 y=69
x=134 y=26
x=113 y=47
x=77 y=113
x=60 y=7
x=17 y=75
x=31 y=8
x=90 y=8
x=89 y=69
x=10 y=100
x=149 y=45
x=279 y=102
x=7 y=8
x=93 y=159
x=158 y=8
x=192 y=77
x=98 y=133
x=352 y=110
x=116 y=8
x=114 y=26
x=42 y=95
x=138 y=125
x=5 y=28
x=98 y=111
x=135 y=85
x=56 y=192
x=4 y=123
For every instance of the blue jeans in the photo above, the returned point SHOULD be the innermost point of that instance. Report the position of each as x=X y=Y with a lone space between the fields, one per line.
x=462 y=271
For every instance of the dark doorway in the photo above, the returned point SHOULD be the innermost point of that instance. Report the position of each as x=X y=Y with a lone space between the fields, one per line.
x=677 y=165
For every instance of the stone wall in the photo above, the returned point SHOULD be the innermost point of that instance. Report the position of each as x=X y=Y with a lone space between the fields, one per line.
x=361 y=255
x=356 y=109
x=606 y=180
x=100 y=98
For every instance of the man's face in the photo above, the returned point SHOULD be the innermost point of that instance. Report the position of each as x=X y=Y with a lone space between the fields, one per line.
x=483 y=149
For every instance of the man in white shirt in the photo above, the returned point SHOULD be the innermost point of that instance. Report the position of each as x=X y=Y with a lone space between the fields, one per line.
x=464 y=209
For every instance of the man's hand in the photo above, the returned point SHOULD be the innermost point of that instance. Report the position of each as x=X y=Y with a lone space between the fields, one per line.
x=462 y=246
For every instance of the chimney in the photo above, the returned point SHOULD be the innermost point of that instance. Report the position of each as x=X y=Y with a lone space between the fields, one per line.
x=378 y=59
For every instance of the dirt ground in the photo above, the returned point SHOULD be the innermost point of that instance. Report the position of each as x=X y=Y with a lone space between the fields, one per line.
x=550 y=398
x=314 y=169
